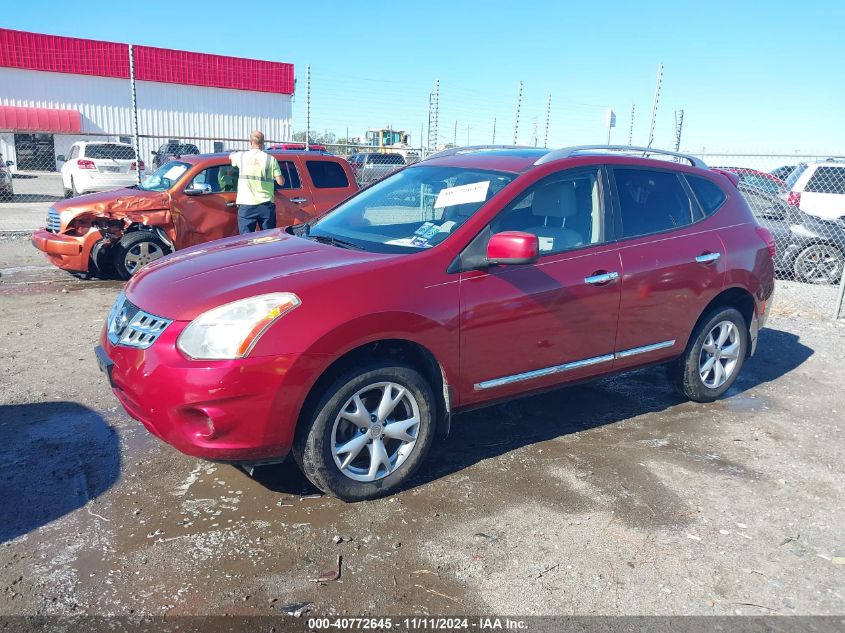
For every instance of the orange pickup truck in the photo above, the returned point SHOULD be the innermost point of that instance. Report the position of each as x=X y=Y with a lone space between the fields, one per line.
x=186 y=201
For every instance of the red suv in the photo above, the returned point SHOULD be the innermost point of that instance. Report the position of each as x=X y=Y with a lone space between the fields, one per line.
x=478 y=275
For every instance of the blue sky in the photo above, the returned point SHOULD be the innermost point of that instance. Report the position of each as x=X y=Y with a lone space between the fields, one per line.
x=751 y=77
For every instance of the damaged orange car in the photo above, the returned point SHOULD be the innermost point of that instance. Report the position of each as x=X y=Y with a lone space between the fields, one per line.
x=186 y=201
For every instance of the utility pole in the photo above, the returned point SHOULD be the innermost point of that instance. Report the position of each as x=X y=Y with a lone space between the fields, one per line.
x=308 y=107
x=679 y=125
x=467 y=136
x=548 y=117
x=494 y=130
x=534 y=133
x=135 y=112
x=435 y=113
x=654 y=106
x=631 y=129
x=518 y=106
x=455 y=138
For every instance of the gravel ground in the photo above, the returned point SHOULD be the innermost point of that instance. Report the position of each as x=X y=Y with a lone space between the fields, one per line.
x=614 y=497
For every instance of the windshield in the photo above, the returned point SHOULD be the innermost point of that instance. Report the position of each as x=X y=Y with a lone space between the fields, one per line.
x=164 y=177
x=111 y=150
x=411 y=210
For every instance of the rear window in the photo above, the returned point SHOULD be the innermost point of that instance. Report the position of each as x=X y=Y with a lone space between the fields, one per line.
x=112 y=151
x=326 y=174
x=651 y=201
x=827 y=180
x=386 y=159
x=795 y=175
x=710 y=195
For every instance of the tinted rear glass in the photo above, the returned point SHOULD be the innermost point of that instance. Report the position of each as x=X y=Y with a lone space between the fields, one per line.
x=710 y=195
x=827 y=180
x=117 y=152
x=651 y=201
x=290 y=175
x=326 y=174
x=386 y=159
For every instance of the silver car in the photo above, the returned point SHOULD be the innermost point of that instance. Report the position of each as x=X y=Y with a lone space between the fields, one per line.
x=372 y=166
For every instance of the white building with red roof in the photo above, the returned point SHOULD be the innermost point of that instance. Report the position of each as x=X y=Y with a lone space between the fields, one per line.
x=57 y=90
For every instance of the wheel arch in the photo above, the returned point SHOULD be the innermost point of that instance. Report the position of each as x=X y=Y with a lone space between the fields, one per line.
x=734 y=297
x=400 y=350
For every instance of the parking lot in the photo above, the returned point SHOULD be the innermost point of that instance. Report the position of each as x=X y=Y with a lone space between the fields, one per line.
x=613 y=497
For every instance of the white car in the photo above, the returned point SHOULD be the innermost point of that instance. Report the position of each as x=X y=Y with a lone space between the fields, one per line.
x=99 y=166
x=818 y=189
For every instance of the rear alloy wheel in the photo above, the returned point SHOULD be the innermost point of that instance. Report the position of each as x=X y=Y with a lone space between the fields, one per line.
x=713 y=357
x=135 y=250
x=819 y=264
x=368 y=433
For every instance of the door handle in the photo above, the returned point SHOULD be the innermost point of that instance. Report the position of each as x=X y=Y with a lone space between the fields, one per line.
x=298 y=200
x=601 y=278
x=708 y=258
x=231 y=204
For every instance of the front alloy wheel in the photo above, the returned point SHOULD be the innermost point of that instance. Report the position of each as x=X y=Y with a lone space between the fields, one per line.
x=368 y=433
x=384 y=418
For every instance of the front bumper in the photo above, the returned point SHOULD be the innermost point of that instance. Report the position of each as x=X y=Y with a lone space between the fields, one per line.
x=68 y=252
x=241 y=410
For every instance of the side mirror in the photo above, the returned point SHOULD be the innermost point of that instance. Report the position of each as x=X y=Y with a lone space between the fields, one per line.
x=198 y=190
x=513 y=247
x=61 y=158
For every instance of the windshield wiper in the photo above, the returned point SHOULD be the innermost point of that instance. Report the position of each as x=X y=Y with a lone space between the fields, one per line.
x=325 y=239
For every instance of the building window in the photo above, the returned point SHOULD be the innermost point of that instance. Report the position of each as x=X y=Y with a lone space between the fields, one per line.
x=218 y=146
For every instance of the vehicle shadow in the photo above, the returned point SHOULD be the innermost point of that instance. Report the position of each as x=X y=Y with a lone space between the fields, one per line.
x=54 y=458
x=493 y=431
x=484 y=433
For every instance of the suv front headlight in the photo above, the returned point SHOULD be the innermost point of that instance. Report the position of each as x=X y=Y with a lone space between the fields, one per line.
x=232 y=330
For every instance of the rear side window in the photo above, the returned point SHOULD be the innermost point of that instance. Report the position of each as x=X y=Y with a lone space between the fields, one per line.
x=827 y=180
x=118 y=152
x=290 y=175
x=651 y=201
x=326 y=174
x=710 y=195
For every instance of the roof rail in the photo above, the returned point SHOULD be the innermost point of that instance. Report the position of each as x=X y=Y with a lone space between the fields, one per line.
x=470 y=148
x=568 y=152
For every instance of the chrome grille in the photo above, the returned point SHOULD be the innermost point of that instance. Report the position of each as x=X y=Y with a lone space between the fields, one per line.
x=129 y=325
x=54 y=221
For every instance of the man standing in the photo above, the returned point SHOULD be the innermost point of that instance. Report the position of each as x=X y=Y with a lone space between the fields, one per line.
x=257 y=171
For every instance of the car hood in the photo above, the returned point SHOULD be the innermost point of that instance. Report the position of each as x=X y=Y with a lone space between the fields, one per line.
x=116 y=203
x=187 y=283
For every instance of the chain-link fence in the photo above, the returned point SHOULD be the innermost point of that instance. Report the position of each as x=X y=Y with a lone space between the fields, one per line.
x=801 y=201
x=97 y=116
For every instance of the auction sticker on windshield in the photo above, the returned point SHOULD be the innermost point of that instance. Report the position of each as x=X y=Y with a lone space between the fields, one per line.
x=462 y=194
x=174 y=172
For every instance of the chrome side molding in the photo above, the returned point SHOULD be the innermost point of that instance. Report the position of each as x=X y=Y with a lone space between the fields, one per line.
x=578 y=364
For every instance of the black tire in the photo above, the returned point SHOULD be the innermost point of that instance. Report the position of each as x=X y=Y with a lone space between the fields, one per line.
x=73 y=190
x=313 y=444
x=129 y=255
x=68 y=193
x=685 y=373
x=819 y=264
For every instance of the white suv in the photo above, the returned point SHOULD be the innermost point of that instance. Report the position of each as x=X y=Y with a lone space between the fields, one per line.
x=818 y=189
x=99 y=166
